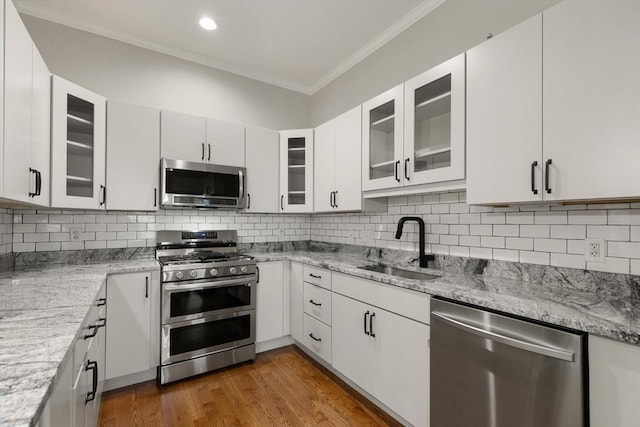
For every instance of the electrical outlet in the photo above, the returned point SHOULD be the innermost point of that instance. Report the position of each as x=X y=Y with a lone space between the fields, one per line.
x=75 y=232
x=281 y=232
x=595 y=250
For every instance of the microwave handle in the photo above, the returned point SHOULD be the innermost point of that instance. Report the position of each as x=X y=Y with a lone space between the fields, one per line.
x=241 y=176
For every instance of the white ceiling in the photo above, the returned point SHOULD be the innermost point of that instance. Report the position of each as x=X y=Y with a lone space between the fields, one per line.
x=296 y=44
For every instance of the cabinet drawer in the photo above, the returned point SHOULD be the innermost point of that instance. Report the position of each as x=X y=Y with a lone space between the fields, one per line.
x=317 y=303
x=96 y=312
x=317 y=276
x=317 y=337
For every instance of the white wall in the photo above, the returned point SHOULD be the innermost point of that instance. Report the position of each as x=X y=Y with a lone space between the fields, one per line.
x=127 y=73
x=452 y=28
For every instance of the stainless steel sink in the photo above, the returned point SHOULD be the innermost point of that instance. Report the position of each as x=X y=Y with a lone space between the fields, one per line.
x=393 y=271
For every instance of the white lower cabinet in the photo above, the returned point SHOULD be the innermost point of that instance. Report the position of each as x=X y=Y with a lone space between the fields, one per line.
x=385 y=354
x=270 y=302
x=59 y=408
x=317 y=337
x=296 y=301
x=614 y=383
x=133 y=331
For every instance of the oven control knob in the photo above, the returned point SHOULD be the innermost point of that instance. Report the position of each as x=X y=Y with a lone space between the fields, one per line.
x=193 y=274
x=213 y=271
x=233 y=270
x=244 y=269
x=179 y=275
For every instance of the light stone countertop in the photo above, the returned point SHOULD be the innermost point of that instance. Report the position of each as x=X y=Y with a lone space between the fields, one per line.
x=41 y=312
x=609 y=310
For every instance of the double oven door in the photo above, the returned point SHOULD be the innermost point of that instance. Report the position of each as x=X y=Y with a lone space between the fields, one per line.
x=202 y=317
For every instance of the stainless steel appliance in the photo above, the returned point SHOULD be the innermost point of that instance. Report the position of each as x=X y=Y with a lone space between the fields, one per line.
x=201 y=185
x=493 y=370
x=208 y=314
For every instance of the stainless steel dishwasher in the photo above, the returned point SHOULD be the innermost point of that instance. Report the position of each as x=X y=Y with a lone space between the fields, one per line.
x=493 y=370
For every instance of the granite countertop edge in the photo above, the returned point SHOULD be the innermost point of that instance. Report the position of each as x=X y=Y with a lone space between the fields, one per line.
x=23 y=402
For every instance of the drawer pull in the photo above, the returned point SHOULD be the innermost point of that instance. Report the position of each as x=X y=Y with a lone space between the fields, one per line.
x=315 y=303
x=92 y=366
x=314 y=338
x=93 y=333
x=101 y=302
x=314 y=276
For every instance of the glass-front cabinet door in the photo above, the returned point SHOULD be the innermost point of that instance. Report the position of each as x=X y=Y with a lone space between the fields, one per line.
x=382 y=129
x=296 y=173
x=78 y=147
x=434 y=133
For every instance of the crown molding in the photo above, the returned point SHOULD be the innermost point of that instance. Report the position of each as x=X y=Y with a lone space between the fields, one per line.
x=43 y=12
x=422 y=10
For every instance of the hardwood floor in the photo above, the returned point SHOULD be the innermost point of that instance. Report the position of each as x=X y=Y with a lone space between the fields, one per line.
x=283 y=387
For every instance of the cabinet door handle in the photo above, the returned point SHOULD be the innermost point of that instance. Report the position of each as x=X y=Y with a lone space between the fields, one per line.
x=533 y=177
x=396 y=166
x=281 y=202
x=248 y=201
x=209 y=156
x=92 y=366
x=314 y=276
x=331 y=199
x=146 y=286
x=257 y=274
x=547 y=187
x=155 y=197
x=365 y=322
x=371 y=325
x=317 y=304
x=103 y=190
x=314 y=338
x=37 y=184
x=202 y=157
x=335 y=199
x=406 y=171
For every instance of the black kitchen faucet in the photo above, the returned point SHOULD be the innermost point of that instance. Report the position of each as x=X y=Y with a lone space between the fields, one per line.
x=423 y=256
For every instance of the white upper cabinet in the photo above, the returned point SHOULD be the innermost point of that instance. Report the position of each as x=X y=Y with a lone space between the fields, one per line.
x=133 y=157
x=554 y=107
x=591 y=99
x=26 y=116
x=324 y=182
x=296 y=170
x=182 y=137
x=225 y=143
x=382 y=126
x=504 y=116
x=434 y=132
x=77 y=147
x=201 y=140
x=262 y=155
x=415 y=133
x=337 y=145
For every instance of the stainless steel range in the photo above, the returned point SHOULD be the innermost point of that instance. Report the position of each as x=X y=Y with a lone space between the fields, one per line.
x=208 y=310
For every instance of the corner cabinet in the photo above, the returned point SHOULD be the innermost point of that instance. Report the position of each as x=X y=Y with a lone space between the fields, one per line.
x=337 y=145
x=415 y=133
x=78 y=130
x=262 y=154
x=296 y=170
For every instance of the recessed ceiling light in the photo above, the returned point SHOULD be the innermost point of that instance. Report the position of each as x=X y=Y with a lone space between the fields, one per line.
x=208 y=23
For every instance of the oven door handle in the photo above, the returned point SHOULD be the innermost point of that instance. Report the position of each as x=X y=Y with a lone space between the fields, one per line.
x=207 y=285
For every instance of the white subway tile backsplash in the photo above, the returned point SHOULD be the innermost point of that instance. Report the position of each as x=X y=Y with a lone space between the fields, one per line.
x=551 y=217
x=624 y=217
x=534 y=257
x=506 y=230
x=534 y=231
x=481 y=230
x=493 y=218
x=550 y=245
x=624 y=249
x=608 y=232
x=520 y=217
x=588 y=217
x=520 y=243
x=506 y=255
x=635 y=233
x=492 y=242
x=568 y=231
x=611 y=265
x=635 y=266
x=481 y=253
x=568 y=260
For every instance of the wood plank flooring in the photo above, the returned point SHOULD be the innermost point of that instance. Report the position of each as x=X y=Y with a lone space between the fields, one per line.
x=283 y=387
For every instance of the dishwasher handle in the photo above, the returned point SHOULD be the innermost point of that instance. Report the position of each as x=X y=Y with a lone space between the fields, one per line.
x=569 y=356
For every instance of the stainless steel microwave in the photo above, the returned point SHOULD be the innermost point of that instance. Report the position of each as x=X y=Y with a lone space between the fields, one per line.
x=201 y=185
